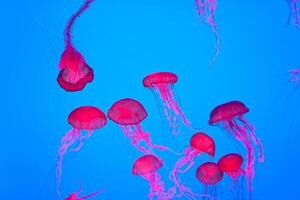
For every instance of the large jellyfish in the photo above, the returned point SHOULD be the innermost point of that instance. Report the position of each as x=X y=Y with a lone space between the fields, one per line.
x=147 y=167
x=200 y=143
x=294 y=12
x=88 y=118
x=209 y=174
x=75 y=195
x=231 y=117
x=231 y=165
x=295 y=76
x=206 y=9
x=74 y=72
x=129 y=113
x=162 y=82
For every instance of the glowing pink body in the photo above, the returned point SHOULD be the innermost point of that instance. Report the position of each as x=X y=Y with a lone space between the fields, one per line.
x=147 y=166
x=74 y=72
x=199 y=143
x=75 y=195
x=231 y=116
x=162 y=82
x=87 y=118
x=231 y=165
x=206 y=9
x=128 y=114
x=295 y=76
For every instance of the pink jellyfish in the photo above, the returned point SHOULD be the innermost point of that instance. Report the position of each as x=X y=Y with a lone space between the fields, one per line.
x=75 y=195
x=162 y=83
x=294 y=12
x=231 y=165
x=231 y=116
x=295 y=76
x=87 y=118
x=147 y=167
x=74 y=72
x=206 y=9
x=199 y=143
x=209 y=174
x=129 y=113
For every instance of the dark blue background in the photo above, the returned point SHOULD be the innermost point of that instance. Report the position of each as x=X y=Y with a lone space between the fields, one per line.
x=123 y=41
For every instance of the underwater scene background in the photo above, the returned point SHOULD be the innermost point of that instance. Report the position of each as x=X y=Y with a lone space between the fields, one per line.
x=123 y=41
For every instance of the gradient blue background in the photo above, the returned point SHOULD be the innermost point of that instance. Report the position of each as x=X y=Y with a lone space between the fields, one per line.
x=123 y=41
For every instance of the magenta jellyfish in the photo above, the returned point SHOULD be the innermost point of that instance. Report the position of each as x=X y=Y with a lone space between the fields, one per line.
x=85 y=118
x=74 y=72
x=206 y=9
x=162 y=82
x=128 y=114
x=200 y=143
x=231 y=117
x=75 y=195
x=295 y=76
x=294 y=12
x=147 y=167
x=209 y=174
x=231 y=164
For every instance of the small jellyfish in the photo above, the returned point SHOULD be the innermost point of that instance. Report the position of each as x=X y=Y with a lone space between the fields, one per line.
x=209 y=174
x=294 y=12
x=75 y=195
x=200 y=143
x=84 y=118
x=231 y=117
x=147 y=167
x=206 y=9
x=231 y=164
x=295 y=76
x=74 y=72
x=162 y=82
x=128 y=114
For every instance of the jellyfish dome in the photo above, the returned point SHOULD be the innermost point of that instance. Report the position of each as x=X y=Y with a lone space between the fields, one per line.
x=147 y=167
x=74 y=72
x=200 y=143
x=209 y=174
x=128 y=114
x=231 y=117
x=161 y=83
x=231 y=164
x=84 y=118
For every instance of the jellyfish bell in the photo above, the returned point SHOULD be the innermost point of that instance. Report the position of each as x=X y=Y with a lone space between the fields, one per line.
x=230 y=162
x=209 y=174
x=147 y=167
x=84 y=118
x=161 y=83
x=74 y=73
x=200 y=143
x=231 y=117
x=128 y=114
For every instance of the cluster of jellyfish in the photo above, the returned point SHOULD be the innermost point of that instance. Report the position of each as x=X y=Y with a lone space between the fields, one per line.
x=129 y=114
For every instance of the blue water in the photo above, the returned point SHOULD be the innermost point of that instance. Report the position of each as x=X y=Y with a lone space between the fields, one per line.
x=124 y=41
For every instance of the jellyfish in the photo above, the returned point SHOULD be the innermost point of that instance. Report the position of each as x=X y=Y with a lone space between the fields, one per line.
x=294 y=12
x=199 y=143
x=231 y=117
x=128 y=114
x=74 y=72
x=75 y=195
x=84 y=118
x=295 y=76
x=147 y=167
x=206 y=9
x=231 y=165
x=209 y=174
x=162 y=82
